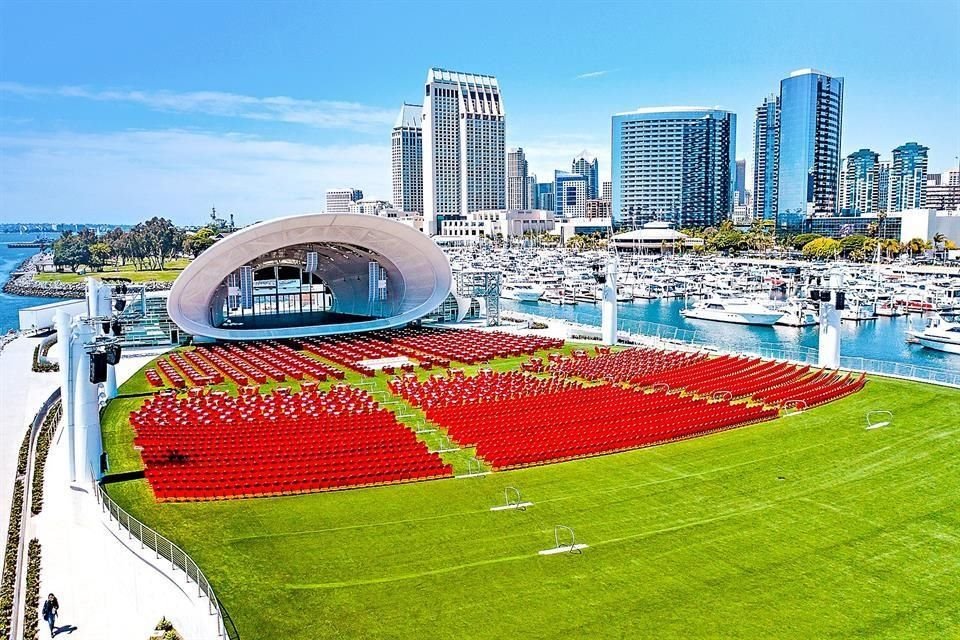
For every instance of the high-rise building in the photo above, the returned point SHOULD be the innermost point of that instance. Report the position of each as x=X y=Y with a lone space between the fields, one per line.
x=464 y=150
x=943 y=190
x=407 y=158
x=808 y=167
x=599 y=208
x=606 y=191
x=860 y=184
x=531 y=202
x=674 y=164
x=587 y=166
x=883 y=185
x=908 y=177
x=545 y=196
x=766 y=147
x=517 y=179
x=569 y=195
x=740 y=183
x=339 y=200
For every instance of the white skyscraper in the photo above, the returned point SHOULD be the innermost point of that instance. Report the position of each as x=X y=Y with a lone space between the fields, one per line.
x=516 y=179
x=407 y=158
x=464 y=148
x=339 y=200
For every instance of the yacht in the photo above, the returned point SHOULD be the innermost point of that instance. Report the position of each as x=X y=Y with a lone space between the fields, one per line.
x=857 y=310
x=735 y=310
x=795 y=313
x=522 y=291
x=939 y=335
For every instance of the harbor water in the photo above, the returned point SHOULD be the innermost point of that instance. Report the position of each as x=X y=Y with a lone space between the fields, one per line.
x=880 y=339
x=10 y=259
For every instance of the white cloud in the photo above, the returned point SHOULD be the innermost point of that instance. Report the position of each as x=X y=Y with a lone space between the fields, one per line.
x=327 y=114
x=126 y=176
x=593 y=74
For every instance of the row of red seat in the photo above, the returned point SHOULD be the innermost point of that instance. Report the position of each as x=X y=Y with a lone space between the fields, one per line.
x=515 y=420
x=821 y=387
x=215 y=445
x=629 y=365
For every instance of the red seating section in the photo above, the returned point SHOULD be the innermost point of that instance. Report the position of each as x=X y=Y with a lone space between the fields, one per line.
x=820 y=388
x=426 y=347
x=629 y=365
x=213 y=445
x=516 y=420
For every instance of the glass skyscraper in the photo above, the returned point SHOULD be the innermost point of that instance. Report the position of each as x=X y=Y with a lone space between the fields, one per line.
x=570 y=195
x=674 y=164
x=766 y=148
x=908 y=177
x=808 y=169
x=859 y=183
x=587 y=166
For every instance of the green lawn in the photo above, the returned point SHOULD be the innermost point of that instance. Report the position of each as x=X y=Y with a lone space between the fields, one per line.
x=172 y=269
x=804 y=527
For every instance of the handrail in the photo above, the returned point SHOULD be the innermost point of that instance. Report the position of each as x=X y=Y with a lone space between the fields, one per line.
x=177 y=557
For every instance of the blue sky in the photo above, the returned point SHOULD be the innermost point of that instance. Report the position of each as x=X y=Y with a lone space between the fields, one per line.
x=115 y=111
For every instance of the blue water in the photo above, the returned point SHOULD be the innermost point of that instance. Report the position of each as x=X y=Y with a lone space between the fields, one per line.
x=880 y=339
x=10 y=259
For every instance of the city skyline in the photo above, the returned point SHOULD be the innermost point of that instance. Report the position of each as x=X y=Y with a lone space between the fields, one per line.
x=261 y=129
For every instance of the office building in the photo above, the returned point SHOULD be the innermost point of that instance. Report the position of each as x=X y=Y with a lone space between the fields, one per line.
x=517 y=179
x=598 y=209
x=569 y=195
x=587 y=166
x=545 y=196
x=860 y=184
x=606 y=191
x=766 y=146
x=943 y=190
x=464 y=150
x=740 y=183
x=808 y=166
x=407 y=158
x=908 y=177
x=674 y=164
x=532 y=191
x=339 y=200
x=370 y=207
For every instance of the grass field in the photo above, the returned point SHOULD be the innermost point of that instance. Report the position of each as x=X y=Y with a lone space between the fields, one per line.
x=804 y=527
x=172 y=269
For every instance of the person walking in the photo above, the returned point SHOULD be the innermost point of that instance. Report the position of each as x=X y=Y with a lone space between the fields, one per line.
x=50 y=609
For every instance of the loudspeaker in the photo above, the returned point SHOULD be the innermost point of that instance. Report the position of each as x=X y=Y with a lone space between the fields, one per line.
x=120 y=304
x=105 y=326
x=841 y=300
x=824 y=296
x=113 y=354
x=116 y=328
x=815 y=295
x=98 y=367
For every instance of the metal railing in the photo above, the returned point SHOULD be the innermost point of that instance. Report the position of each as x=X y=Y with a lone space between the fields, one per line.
x=167 y=550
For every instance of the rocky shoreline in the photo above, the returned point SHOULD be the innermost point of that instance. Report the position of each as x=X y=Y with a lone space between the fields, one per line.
x=27 y=285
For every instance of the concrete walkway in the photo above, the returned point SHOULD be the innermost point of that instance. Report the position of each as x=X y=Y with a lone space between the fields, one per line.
x=22 y=392
x=108 y=588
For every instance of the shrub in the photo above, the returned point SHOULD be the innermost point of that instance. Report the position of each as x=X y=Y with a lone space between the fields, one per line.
x=47 y=430
x=10 y=559
x=43 y=367
x=31 y=616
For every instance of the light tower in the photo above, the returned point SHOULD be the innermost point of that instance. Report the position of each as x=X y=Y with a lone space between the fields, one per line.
x=608 y=303
x=87 y=356
x=831 y=304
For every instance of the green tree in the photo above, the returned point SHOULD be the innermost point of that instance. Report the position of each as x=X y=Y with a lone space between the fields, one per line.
x=800 y=241
x=100 y=253
x=852 y=244
x=70 y=250
x=821 y=248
